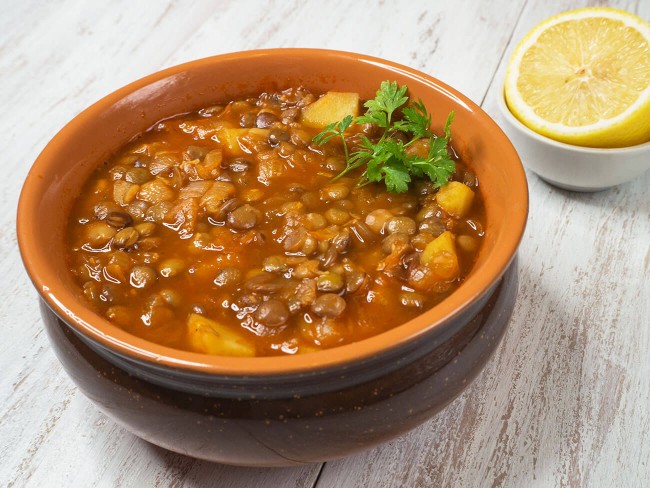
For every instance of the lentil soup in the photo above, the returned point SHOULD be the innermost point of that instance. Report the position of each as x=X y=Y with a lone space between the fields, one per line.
x=223 y=232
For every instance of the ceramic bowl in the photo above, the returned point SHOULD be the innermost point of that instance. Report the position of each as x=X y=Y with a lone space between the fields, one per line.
x=571 y=167
x=281 y=410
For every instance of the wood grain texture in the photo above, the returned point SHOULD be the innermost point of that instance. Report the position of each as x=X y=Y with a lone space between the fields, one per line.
x=564 y=402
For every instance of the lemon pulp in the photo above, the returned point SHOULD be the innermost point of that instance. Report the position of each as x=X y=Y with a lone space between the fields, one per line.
x=583 y=77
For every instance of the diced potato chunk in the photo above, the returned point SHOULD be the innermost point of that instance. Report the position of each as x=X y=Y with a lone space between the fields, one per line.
x=210 y=337
x=440 y=256
x=455 y=198
x=156 y=191
x=331 y=107
x=229 y=137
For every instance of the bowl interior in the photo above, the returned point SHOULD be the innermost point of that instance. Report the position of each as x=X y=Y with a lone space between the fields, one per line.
x=68 y=160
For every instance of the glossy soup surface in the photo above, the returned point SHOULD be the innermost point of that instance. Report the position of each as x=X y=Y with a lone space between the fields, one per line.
x=222 y=232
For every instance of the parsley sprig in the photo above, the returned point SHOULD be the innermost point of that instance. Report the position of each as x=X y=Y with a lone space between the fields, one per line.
x=388 y=158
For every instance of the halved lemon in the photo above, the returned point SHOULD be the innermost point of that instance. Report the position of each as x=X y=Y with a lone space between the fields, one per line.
x=583 y=77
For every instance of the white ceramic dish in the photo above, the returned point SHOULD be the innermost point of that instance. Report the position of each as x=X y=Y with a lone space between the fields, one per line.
x=570 y=167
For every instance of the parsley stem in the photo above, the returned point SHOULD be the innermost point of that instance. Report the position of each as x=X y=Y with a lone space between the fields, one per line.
x=345 y=148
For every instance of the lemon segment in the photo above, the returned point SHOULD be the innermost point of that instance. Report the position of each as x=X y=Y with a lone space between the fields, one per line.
x=583 y=77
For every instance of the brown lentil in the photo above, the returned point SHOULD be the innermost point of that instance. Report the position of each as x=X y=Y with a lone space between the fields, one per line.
x=328 y=305
x=231 y=213
x=125 y=238
x=98 y=234
x=266 y=119
x=376 y=220
x=336 y=216
x=330 y=282
x=118 y=219
x=272 y=313
x=171 y=267
x=244 y=217
x=403 y=225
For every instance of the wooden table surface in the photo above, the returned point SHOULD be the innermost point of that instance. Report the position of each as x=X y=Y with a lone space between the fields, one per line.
x=565 y=401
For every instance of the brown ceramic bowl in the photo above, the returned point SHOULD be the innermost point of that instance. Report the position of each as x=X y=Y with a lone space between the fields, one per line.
x=281 y=410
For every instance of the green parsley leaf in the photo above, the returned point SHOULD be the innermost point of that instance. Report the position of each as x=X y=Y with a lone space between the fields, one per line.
x=439 y=166
x=450 y=119
x=388 y=98
x=335 y=129
x=388 y=159
x=378 y=118
x=396 y=176
x=417 y=120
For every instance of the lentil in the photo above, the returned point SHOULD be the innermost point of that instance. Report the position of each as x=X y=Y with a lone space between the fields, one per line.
x=272 y=313
x=328 y=305
x=330 y=282
x=171 y=267
x=244 y=217
x=125 y=238
x=118 y=219
x=229 y=218
x=403 y=225
x=376 y=220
